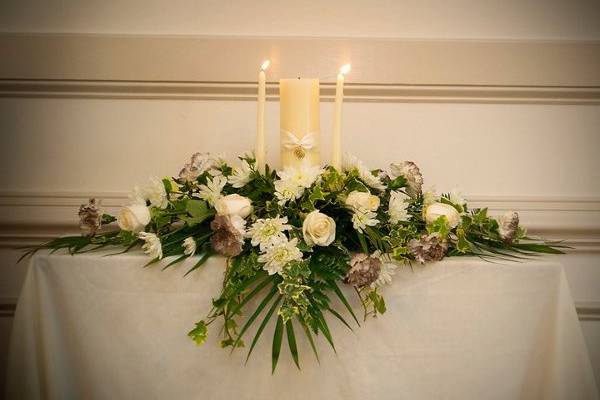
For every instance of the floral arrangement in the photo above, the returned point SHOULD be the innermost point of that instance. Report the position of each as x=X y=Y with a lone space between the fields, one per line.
x=293 y=237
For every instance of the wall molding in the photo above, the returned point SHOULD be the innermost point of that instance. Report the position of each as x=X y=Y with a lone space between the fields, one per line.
x=225 y=68
x=228 y=91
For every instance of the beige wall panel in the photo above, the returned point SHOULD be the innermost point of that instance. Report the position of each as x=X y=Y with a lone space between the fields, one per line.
x=469 y=19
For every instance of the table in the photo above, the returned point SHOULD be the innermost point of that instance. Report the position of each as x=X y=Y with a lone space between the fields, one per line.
x=94 y=327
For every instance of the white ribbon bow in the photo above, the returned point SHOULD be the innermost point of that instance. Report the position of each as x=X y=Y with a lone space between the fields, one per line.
x=292 y=142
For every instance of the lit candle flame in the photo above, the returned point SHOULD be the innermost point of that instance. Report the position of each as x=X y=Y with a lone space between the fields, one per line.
x=265 y=65
x=345 y=69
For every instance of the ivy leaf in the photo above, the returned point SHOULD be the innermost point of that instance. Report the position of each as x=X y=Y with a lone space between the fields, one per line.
x=480 y=216
x=440 y=225
x=168 y=186
x=198 y=209
x=462 y=245
x=180 y=205
x=159 y=218
x=378 y=301
x=199 y=333
x=399 y=182
x=316 y=194
x=126 y=238
x=332 y=180
x=107 y=219
x=355 y=184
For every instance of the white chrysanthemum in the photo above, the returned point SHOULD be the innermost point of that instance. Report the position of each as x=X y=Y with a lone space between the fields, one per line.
x=457 y=198
x=240 y=176
x=363 y=218
x=268 y=232
x=211 y=192
x=292 y=182
x=218 y=162
x=388 y=269
x=151 y=245
x=303 y=176
x=430 y=197
x=137 y=196
x=351 y=162
x=189 y=246
x=398 y=207
x=287 y=190
x=276 y=257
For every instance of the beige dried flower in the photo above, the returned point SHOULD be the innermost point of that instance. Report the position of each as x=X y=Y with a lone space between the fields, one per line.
x=226 y=239
x=199 y=163
x=364 y=270
x=430 y=247
x=189 y=173
x=508 y=226
x=90 y=216
x=411 y=173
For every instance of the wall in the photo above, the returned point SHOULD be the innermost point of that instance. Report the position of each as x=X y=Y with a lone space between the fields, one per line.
x=509 y=112
x=459 y=19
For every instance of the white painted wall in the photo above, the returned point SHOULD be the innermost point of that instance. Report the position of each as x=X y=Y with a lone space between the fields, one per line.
x=465 y=19
x=485 y=149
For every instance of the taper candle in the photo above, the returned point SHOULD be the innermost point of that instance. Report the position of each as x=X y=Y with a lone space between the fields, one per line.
x=259 y=152
x=336 y=155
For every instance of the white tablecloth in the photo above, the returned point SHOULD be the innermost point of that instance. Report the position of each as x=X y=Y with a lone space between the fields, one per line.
x=92 y=327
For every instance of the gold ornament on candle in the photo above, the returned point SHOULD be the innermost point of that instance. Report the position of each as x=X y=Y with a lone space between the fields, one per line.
x=299 y=146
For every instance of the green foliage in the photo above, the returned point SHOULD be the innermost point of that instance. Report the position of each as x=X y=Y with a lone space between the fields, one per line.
x=355 y=184
x=397 y=183
x=107 y=219
x=372 y=302
x=199 y=333
x=378 y=302
x=440 y=225
x=462 y=244
x=198 y=212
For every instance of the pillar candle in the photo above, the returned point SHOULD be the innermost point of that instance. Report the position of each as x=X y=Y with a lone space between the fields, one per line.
x=300 y=122
x=259 y=152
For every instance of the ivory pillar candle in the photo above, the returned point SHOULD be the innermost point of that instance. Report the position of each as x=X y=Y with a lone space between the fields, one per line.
x=299 y=122
x=260 y=152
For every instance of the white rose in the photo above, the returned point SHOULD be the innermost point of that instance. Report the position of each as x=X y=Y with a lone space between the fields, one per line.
x=234 y=204
x=133 y=218
x=156 y=194
x=318 y=229
x=362 y=201
x=436 y=210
